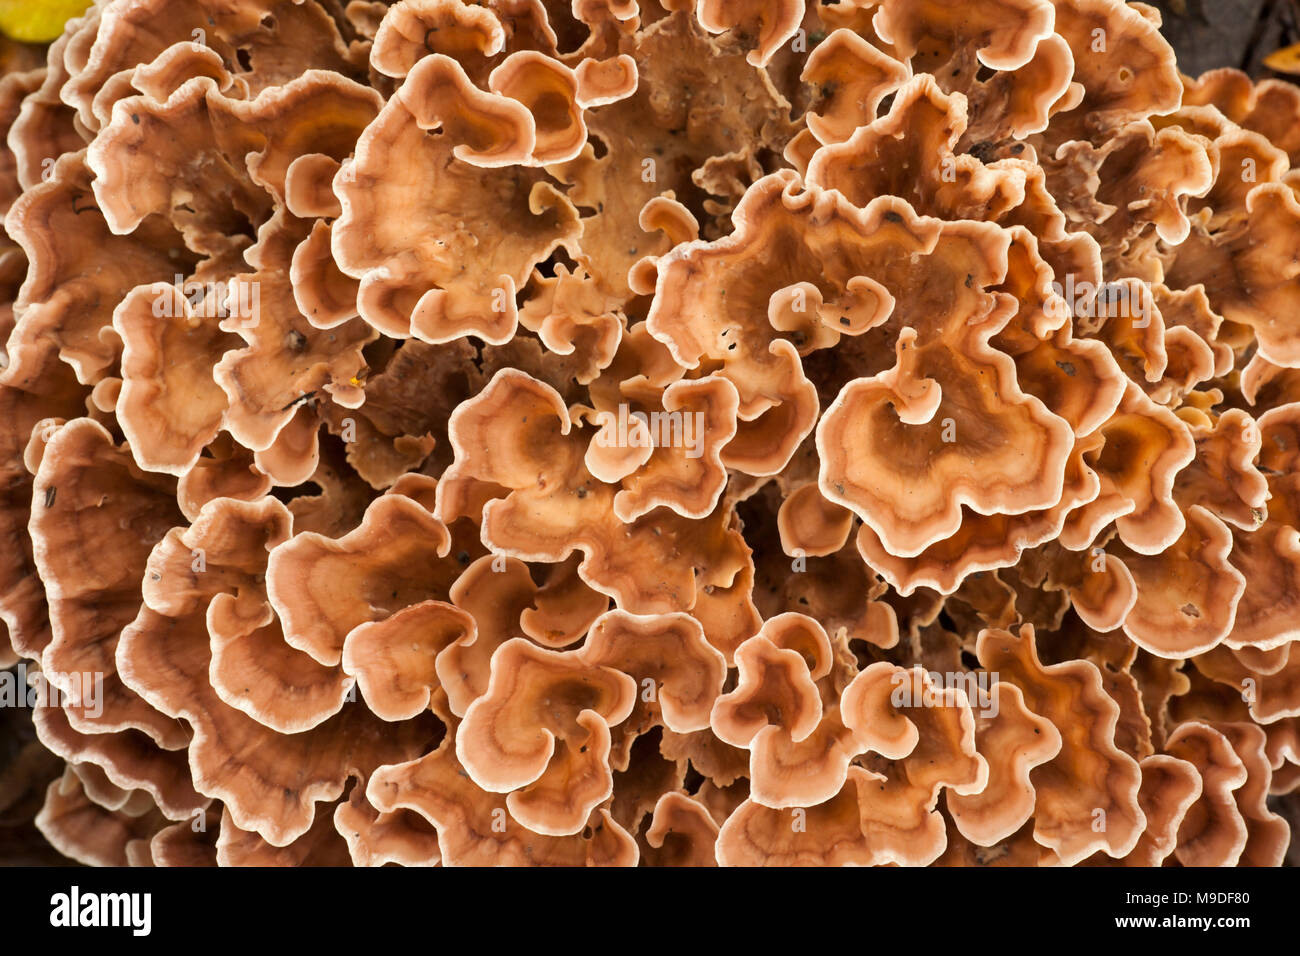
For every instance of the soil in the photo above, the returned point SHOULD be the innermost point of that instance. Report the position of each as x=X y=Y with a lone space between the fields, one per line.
x=1213 y=33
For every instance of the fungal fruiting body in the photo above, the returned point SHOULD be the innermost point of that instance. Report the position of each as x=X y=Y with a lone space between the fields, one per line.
x=644 y=433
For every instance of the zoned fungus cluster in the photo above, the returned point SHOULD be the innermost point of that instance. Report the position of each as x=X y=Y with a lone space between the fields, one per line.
x=631 y=432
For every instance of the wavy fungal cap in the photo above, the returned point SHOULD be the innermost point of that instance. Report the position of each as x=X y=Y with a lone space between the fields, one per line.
x=634 y=432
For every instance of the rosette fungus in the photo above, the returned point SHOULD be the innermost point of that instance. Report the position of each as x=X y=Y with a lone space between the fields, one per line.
x=520 y=432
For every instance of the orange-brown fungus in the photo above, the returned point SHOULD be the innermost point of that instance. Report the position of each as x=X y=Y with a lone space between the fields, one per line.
x=729 y=432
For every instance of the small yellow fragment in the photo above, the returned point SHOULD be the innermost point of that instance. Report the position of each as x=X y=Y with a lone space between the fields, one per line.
x=38 y=21
x=1285 y=60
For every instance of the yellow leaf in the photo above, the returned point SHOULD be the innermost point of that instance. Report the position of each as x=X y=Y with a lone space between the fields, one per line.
x=38 y=21
x=1285 y=60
